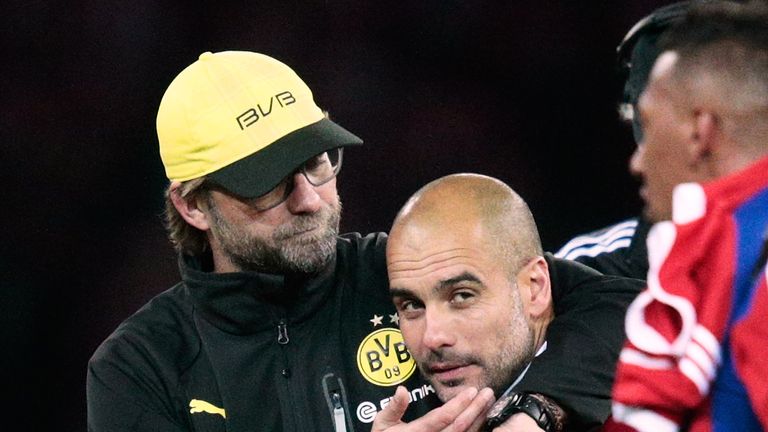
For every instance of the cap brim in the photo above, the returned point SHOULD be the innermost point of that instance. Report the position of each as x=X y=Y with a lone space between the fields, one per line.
x=258 y=173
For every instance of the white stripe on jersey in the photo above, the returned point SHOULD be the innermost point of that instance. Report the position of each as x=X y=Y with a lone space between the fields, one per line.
x=595 y=243
x=642 y=419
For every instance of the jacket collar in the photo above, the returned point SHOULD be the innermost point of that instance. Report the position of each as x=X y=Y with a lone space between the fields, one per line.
x=246 y=302
x=636 y=256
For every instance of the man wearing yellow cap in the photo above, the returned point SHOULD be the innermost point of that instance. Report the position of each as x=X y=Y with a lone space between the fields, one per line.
x=279 y=323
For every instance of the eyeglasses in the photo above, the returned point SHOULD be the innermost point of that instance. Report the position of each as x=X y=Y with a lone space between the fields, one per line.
x=318 y=171
x=628 y=113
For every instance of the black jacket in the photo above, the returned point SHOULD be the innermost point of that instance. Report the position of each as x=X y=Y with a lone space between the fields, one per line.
x=249 y=351
x=276 y=353
x=583 y=341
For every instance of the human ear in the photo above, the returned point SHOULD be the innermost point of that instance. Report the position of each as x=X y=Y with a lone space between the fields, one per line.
x=706 y=126
x=188 y=208
x=538 y=292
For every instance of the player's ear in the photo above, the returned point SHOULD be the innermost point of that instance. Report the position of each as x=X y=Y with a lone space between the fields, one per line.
x=706 y=130
x=535 y=287
x=189 y=208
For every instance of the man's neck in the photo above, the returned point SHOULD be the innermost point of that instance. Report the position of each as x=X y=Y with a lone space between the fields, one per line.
x=541 y=348
x=225 y=267
x=540 y=328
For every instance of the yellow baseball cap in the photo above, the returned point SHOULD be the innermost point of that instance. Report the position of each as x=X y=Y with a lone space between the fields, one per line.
x=244 y=120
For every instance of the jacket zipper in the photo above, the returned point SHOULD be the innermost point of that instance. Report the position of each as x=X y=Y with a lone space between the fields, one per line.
x=335 y=398
x=339 y=419
x=282 y=333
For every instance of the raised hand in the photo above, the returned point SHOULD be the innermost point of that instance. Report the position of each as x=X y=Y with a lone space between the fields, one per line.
x=464 y=412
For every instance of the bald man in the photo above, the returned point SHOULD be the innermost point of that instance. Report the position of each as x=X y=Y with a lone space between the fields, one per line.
x=477 y=300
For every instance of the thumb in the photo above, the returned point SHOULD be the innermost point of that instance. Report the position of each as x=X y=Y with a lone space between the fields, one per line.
x=393 y=412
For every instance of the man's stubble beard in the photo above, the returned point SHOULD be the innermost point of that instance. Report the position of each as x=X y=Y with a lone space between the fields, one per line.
x=514 y=357
x=282 y=252
x=501 y=370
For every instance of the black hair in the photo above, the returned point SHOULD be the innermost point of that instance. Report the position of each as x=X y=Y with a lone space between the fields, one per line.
x=636 y=54
x=709 y=23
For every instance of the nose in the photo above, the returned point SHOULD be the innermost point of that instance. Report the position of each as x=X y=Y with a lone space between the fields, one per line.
x=636 y=161
x=437 y=332
x=303 y=198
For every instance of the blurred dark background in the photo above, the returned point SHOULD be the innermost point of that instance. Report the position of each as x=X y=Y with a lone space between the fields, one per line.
x=524 y=92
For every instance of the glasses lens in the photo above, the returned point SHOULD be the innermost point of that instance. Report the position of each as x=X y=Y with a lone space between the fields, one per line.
x=277 y=195
x=323 y=167
x=318 y=170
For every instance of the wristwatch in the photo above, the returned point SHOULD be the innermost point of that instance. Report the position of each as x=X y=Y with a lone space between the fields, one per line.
x=517 y=402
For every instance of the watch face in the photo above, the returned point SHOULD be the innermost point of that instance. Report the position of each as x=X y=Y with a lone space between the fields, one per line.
x=498 y=408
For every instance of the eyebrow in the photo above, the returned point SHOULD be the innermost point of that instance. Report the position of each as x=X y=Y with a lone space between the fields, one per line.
x=464 y=277
x=441 y=285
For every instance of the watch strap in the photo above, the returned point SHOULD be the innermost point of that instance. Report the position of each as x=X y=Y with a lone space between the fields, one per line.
x=519 y=402
x=556 y=413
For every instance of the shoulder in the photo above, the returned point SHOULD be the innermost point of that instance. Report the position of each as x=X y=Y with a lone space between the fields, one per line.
x=574 y=281
x=159 y=335
x=371 y=241
x=361 y=261
x=619 y=249
x=605 y=240
x=366 y=249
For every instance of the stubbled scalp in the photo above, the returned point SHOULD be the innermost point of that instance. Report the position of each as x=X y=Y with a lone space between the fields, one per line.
x=722 y=50
x=456 y=200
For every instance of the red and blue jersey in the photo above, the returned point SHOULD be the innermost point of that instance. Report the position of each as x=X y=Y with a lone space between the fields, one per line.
x=697 y=337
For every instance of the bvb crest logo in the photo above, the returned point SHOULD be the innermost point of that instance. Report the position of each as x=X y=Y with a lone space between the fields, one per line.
x=383 y=358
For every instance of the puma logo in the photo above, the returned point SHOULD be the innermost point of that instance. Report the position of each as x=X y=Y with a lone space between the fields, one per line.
x=198 y=405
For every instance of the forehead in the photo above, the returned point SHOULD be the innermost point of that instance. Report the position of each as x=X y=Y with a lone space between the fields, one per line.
x=428 y=261
x=433 y=275
x=418 y=261
x=424 y=241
